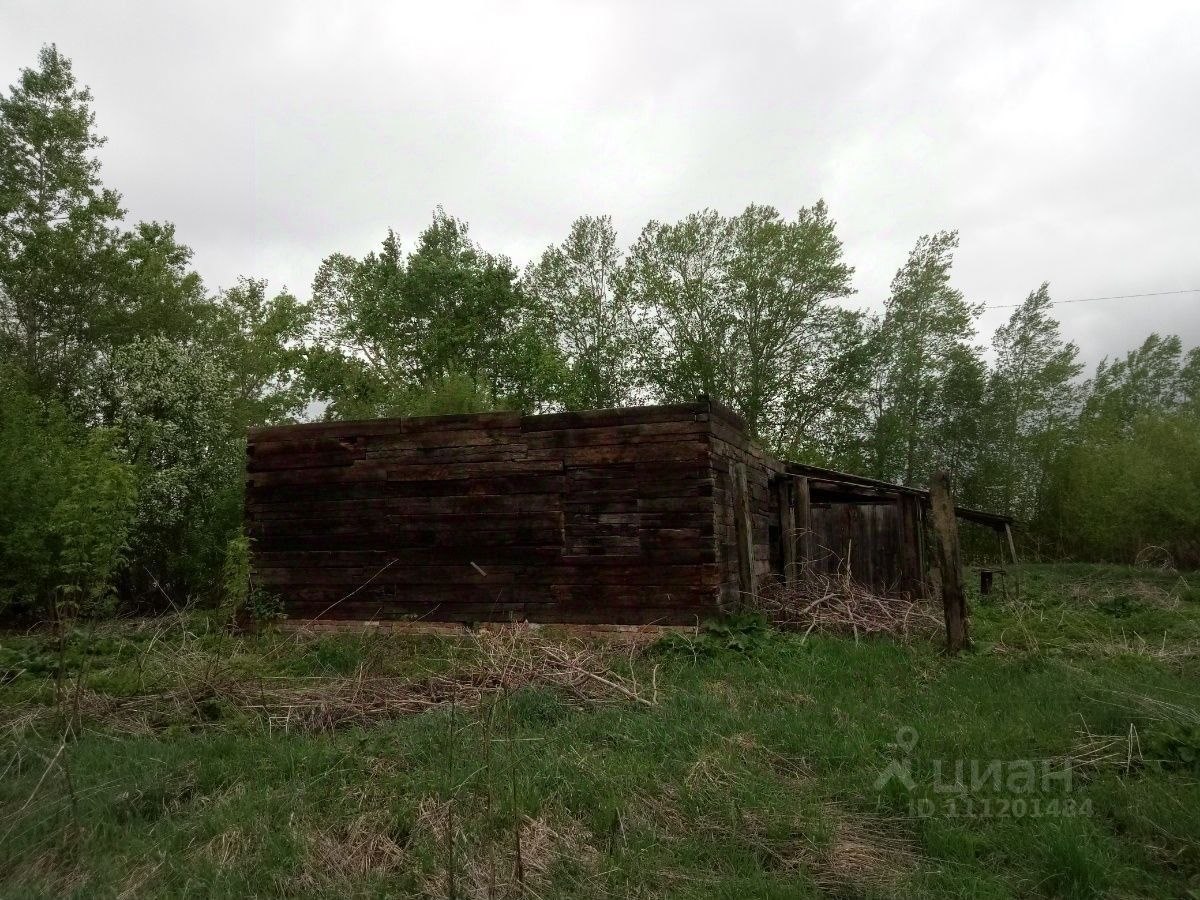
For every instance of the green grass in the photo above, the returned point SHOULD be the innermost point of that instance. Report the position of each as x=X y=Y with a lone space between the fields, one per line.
x=754 y=774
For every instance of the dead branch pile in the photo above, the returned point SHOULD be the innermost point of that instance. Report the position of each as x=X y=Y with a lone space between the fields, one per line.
x=838 y=604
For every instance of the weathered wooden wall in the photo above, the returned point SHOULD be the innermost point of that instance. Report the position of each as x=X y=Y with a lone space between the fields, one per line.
x=879 y=536
x=602 y=517
x=866 y=536
x=731 y=446
x=631 y=516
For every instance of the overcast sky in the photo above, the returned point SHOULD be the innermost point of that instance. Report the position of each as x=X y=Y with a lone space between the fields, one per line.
x=1059 y=138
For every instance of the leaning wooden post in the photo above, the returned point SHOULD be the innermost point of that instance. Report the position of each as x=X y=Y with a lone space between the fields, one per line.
x=945 y=529
x=740 y=495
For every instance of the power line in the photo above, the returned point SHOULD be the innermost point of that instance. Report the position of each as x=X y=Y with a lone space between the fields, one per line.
x=1092 y=299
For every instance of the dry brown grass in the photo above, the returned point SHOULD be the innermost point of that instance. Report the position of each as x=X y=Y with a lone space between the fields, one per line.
x=520 y=863
x=863 y=854
x=227 y=848
x=1147 y=593
x=50 y=873
x=350 y=851
x=502 y=659
x=1170 y=652
x=1094 y=752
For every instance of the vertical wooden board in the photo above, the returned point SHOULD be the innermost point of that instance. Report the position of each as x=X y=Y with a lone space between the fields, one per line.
x=786 y=489
x=743 y=526
x=908 y=513
x=804 y=522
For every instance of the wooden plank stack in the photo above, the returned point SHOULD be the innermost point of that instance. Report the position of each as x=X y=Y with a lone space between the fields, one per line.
x=598 y=517
x=664 y=514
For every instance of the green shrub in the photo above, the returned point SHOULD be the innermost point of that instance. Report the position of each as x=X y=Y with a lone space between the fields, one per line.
x=241 y=598
x=743 y=633
x=1112 y=496
x=235 y=577
x=1174 y=746
x=66 y=508
x=263 y=607
x=173 y=408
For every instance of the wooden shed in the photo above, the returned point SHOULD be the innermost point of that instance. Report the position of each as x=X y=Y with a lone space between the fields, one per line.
x=662 y=514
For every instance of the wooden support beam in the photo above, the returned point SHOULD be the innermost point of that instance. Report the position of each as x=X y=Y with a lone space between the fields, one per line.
x=945 y=528
x=1012 y=548
x=804 y=522
x=743 y=525
x=785 y=492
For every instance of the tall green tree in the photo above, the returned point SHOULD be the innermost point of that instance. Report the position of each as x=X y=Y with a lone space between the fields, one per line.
x=597 y=328
x=1032 y=401
x=1153 y=378
x=1189 y=382
x=957 y=430
x=388 y=329
x=740 y=311
x=74 y=285
x=257 y=341
x=924 y=336
x=1129 y=477
x=57 y=223
x=676 y=272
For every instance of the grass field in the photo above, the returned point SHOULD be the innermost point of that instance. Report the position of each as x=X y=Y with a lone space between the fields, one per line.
x=1060 y=758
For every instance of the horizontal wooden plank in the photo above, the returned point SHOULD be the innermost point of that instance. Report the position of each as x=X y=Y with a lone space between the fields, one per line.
x=682 y=451
x=276 y=462
x=375 y=427
x=261 y=500
x=449 y=438
x=531 y=508
x=400 y=528
x=377 y=559
x=504 y=452
x=629 y=416
x=382 y=470
x=565 y=596
x=645 y=433
x=545 y=612
x=263 y=449
x=619 y=572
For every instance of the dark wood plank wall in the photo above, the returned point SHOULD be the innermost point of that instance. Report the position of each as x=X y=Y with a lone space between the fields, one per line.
x=865 y=535
x=730 y=444
x=602 y=517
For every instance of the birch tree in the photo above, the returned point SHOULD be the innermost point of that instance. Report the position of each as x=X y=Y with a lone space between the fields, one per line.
x=925 y=331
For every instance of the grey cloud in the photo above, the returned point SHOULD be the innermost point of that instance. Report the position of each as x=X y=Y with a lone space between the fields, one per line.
x=1058 y=138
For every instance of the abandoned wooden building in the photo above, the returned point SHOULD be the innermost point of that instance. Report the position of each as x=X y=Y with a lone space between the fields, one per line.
x=662 y=514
